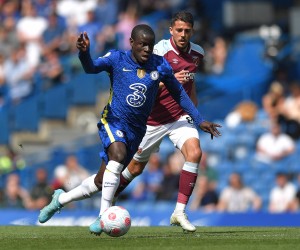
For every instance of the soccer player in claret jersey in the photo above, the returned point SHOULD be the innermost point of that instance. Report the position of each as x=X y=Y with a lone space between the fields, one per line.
x=169 y=119
x=135 y=77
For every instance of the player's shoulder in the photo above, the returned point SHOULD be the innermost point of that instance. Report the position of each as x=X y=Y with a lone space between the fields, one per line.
x=197 y=48
x=157 y=59
x=162 y=47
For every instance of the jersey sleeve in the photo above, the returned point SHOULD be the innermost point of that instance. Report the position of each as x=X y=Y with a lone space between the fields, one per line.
x=161 y=48
x=98 y=65
x=178 y=93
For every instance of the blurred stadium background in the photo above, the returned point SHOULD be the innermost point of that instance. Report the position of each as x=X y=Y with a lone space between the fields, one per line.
x=49 y=107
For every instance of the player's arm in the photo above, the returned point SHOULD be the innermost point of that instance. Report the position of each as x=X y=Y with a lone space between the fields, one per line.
x=90 y=66
x=194 y=94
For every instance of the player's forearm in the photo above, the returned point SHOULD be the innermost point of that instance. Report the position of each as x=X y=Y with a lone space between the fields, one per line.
x=181 y=97
x=87 y=62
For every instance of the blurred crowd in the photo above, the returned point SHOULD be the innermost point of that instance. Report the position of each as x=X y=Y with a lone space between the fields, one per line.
x=158 y=183
x=37 y=38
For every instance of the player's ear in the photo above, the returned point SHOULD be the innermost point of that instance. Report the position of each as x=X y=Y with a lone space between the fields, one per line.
x=171 y=30
x=131 y=41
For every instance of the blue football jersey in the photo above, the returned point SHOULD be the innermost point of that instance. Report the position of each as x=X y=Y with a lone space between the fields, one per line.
x=134 y=86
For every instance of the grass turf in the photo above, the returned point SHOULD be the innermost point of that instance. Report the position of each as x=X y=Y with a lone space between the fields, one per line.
x=205 y=238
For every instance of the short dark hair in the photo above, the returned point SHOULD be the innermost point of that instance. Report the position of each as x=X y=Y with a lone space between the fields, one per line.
x=184 y=16
x=146 y=29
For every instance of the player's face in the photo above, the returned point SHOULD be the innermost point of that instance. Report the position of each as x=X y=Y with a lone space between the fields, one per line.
x=142 y=47
x=181 y=33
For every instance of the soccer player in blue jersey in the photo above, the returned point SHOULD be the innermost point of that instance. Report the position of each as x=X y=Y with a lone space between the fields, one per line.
x=135 y=76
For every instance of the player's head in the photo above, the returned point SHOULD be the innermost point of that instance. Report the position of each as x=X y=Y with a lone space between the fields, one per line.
x=181 y=29
x=142 y=42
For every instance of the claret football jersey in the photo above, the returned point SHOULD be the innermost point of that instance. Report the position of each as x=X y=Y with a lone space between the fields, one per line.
x=166 y=109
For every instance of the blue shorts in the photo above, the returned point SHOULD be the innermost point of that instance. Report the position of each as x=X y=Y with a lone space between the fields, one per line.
x=113 y=130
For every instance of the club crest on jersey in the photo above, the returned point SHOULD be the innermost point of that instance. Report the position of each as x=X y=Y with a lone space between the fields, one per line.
x=196 y=60
x=141 y=73
x=119 y=133
x=154 y=75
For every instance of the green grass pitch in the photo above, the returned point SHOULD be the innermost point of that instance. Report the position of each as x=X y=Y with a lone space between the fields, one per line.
x=205 y=238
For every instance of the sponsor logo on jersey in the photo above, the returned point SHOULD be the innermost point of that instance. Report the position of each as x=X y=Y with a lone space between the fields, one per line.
x=154 y=75
x=119 y=133
x=196 y=60
x=141 y=73
x=138 y=97
x=175 y=61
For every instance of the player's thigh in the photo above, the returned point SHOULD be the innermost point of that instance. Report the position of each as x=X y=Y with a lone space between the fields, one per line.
x=151 y=142
x=113 y=132
x=182 y=131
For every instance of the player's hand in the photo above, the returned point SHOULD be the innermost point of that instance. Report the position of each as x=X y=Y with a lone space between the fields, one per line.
x=182 y=76
x=211 y=128
x=83 y=42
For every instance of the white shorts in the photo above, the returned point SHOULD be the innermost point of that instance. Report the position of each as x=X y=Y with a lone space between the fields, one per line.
x=179 y=132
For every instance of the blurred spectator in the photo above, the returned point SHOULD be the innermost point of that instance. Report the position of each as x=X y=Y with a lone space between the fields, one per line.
x=1 y=198
x=104 y=7
x=10 y=9
x=296 y=202
x=8 y=36
x=18 y=74
x=32 y=36
x=43 y=7
x=60 y=177
x=150 y=181
x=52 y=37
x=41 y=192
x=169 y=186
x=74 y=11
x=205 y=196
x=273 y=100
x=282 y=195
x=127 y=20
x=207 y=171
x=51 y=70
x=290 y=112
x=274 y=145
x=11 y=161
x=2 y=82
x=238 y=198
x=92 y=27
x=243 y=112
x=14 y=195
x=69 y=175
x=216 y=57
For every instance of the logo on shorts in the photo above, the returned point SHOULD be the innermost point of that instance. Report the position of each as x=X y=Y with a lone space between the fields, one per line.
x=140 y=150
x=154 y=75
x=119 y=133
x=189 y=120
